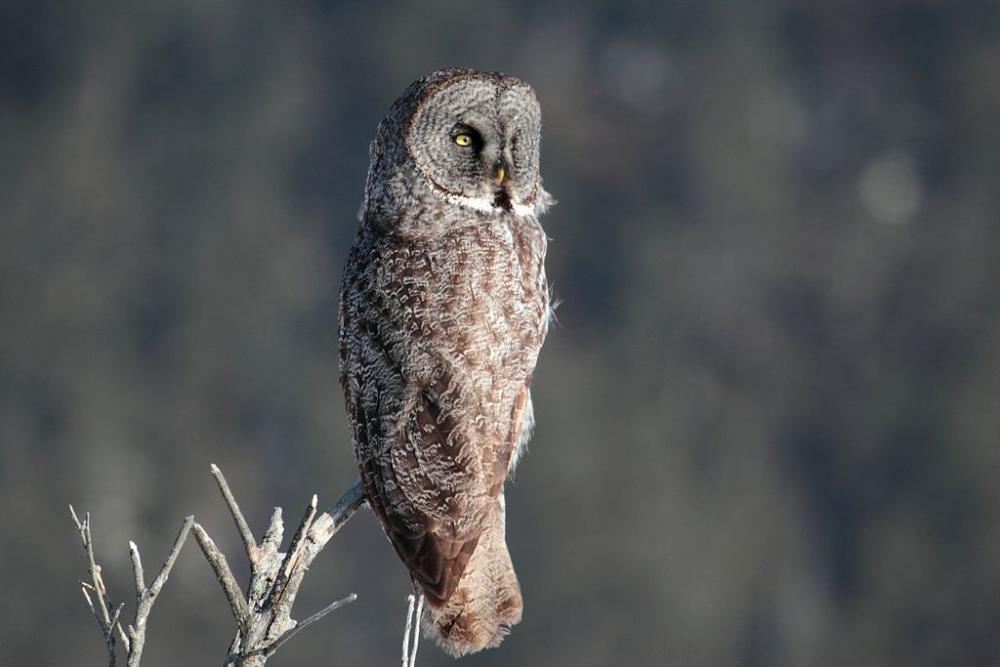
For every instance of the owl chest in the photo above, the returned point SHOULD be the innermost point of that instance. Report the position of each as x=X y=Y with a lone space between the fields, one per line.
x=474 y=298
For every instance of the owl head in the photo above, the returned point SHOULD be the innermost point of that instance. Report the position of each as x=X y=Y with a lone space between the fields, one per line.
x=461 y=136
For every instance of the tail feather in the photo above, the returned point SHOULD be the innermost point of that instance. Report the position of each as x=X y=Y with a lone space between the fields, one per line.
x=487 y=601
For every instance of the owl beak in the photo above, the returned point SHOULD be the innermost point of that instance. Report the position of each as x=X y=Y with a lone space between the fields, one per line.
x=499 y=172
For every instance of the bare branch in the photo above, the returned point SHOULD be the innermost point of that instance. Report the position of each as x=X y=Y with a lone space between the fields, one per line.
x=263 y=616
x=168 y=564
x=145 y=597
x=416 y=629
x=95 y=570
x=299 y=627
x=100 y=623
x=412 y=629
x=90 y=603
x=276 y=578
x=292 y=555
x=345 y=507
x=408 y=629
x=118 y=613
x=118 y=626
x=217 y=559
x=295 y=546
x=241 y=523
x=275 y=530
x=103 y=604
x=140 y=579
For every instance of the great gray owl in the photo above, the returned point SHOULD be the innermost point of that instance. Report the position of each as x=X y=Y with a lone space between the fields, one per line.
x=444 y=307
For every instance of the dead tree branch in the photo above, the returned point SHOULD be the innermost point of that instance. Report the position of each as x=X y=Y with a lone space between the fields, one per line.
x=263 y=615
x=102 y=612
x=263 y=618
x=415 y=608
x=135 y=639
x=146 y=596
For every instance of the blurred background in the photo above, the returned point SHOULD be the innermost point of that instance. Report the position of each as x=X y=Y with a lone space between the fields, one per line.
x=767 y=419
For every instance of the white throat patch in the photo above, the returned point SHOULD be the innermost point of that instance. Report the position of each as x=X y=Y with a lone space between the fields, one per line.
x=485 y=205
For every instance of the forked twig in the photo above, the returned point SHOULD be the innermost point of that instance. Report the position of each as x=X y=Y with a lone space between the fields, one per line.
x=102 y=610
x=135 y=638
x=146 y=596
x=263 y=615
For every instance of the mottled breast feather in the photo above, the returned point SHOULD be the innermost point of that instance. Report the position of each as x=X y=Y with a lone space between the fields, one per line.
x=443 y=335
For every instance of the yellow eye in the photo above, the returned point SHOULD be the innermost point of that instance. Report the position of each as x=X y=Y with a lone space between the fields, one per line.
x=463 y=140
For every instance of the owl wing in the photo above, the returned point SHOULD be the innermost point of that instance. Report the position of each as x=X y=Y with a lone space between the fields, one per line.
x=425 y=477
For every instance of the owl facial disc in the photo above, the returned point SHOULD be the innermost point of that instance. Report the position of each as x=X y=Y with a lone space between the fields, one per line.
x=474 y=138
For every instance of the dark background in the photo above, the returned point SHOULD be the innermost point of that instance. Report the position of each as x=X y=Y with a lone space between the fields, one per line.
x=767 y=419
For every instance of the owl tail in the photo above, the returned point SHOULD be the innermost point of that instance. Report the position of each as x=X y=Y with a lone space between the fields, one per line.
x=487 y=601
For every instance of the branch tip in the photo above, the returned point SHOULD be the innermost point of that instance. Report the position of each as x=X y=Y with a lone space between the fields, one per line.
x=242 y=526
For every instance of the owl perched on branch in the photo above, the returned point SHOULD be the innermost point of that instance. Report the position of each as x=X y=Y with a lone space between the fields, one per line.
x=444 y=307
